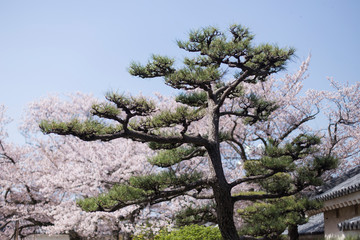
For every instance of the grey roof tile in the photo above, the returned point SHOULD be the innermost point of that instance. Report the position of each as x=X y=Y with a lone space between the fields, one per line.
x=345 y=184
x=350 y=224
x=315 y=225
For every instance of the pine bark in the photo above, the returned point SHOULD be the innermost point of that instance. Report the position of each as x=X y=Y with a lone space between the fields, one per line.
x=221 y=188
x=225 y=213
x=293 y=232
x=223 y=199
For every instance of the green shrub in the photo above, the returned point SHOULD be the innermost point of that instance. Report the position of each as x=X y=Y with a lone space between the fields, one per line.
x=352 y=238
x=346 y=238
x=191 y=232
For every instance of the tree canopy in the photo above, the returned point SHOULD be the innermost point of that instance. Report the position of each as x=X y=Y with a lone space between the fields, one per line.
x=216 y=85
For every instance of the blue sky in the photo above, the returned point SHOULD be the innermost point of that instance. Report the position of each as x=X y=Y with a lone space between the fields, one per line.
x=86 y=45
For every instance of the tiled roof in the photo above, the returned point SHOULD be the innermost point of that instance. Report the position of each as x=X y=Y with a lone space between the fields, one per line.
x=350 y=224
x=315 y=225
x=345 y=184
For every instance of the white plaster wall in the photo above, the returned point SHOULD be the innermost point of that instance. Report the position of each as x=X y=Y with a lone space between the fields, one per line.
x=332 y=219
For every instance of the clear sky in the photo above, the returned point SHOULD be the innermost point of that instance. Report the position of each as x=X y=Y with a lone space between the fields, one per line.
x=86 y=45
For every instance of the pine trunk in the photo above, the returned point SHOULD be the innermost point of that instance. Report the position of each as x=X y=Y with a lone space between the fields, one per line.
x=222 y=195
x=225 y=213
x=221 y=188
x=293 y=232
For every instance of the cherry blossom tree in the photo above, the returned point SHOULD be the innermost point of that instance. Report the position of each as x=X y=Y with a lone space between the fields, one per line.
x=17 y=187
x=342 y=133
x=41 y=181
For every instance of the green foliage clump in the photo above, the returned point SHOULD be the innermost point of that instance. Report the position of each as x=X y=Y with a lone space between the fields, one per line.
x=194 y=99
x=162 y=180
x=167 y=158
x=196 y=215
x=182 y=115
x=249 y=193
x=270 y=218
x=138 y=189
x=83 y=129
x=134 y=105
x=281 y=163
x=159 y=146
x=159 y=66
x=261 y=108
x=290 y=168
x=279 y=183
x=352 y=238
x=193 y=76
x=191 y=232
x=118 y=193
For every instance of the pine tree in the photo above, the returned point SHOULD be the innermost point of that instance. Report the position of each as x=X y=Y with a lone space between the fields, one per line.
x=205 y=88
x=271 y=217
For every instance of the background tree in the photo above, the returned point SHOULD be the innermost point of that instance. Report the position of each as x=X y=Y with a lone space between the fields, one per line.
x=341 y=137
x=18 y=189
x=208 y=97
x=65 y=168
x=41 y=180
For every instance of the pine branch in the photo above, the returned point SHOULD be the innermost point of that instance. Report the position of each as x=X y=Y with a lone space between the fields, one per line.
x=198 y=196
x=94 y=204
x=93 y=130
x=167 y=158
x=132 y=106
x=159 y=66
x=226 y=90
x=251 y=178
x=241 y=152
x=261 y=196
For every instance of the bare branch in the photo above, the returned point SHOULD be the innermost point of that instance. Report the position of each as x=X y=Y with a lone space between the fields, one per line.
x=297 y=125
x=5 y=154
